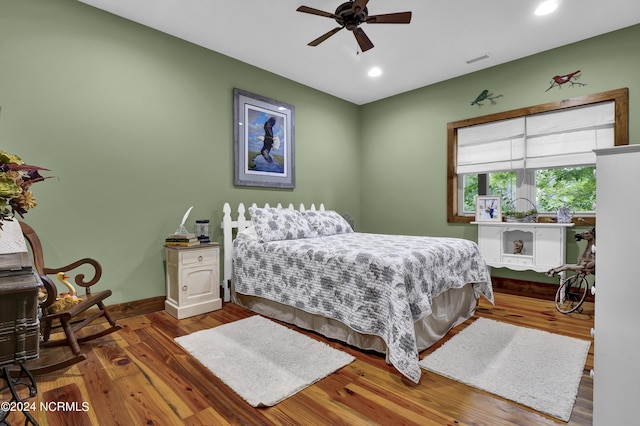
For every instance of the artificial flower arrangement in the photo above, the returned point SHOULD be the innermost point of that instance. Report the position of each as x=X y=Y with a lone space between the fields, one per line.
x=16 y=178
x=526 y=216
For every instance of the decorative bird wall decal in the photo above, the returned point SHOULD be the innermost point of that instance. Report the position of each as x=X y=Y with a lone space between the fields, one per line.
x=484 y=96
x=571 y=78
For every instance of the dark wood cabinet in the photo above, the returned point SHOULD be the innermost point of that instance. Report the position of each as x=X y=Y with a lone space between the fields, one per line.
x=19 y=326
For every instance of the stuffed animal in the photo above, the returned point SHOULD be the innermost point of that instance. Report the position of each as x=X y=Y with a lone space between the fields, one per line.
x=518 y=247
x=64 y=300
x=42 y=294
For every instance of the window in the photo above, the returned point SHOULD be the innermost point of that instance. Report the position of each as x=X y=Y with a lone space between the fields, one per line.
x=554 y=188
x=540 y=155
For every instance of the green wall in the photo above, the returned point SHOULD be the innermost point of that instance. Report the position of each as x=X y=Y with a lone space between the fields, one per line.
x=404 y=137
x=136 y=126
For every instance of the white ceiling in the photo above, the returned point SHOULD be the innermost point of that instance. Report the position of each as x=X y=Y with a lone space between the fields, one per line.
x=442 y=36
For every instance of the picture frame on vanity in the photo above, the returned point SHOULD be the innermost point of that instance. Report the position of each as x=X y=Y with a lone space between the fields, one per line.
x=488 y=208
x=264 y=141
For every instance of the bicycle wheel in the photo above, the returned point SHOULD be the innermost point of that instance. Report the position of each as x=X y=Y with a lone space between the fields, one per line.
x=571 y=293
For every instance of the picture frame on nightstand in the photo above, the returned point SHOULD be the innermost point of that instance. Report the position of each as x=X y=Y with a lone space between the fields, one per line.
x=488 y=208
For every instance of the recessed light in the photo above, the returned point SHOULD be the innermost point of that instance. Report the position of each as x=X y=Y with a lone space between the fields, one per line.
x=546 y=7
x=375 y=72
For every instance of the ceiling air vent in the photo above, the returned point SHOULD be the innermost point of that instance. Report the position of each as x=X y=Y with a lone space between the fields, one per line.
x=479 y=58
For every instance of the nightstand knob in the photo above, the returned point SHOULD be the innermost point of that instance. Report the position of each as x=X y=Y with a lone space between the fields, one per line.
x=199 y=258
x=184 y=288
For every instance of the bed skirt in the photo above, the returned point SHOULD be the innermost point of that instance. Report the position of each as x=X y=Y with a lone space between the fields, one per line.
x=448 y=310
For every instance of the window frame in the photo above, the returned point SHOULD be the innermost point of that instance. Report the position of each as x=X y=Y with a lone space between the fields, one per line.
x=620 y=97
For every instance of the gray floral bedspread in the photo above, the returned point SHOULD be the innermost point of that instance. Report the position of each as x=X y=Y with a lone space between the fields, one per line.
x=375 y=284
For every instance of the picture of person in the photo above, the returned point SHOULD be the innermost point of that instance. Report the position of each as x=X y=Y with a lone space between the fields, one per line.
x=488 y=208
x=266 y=153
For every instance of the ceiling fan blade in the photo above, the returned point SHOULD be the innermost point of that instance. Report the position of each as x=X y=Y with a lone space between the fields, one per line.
x=363 y=41
x=324 y=37
x=390 y=18
x=306 y=9
x=359 y=5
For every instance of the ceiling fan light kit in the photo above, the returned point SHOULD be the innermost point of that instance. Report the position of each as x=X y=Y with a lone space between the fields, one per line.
x=351 y=15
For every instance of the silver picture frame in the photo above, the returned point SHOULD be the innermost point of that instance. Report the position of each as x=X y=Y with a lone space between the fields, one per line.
x=264 y=141
x=488 y=208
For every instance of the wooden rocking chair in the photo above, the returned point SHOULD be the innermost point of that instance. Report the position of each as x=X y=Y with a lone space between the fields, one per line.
x=73 y=318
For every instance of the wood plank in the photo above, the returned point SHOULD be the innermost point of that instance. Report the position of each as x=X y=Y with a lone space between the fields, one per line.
x=65 y=407
x=392 y=407
x=106 y=396
x=144 y=404
x=163 y=367
x=206 y=417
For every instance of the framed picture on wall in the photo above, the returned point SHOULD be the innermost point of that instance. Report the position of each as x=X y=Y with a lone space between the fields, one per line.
x=264 y=141
x=488 y=208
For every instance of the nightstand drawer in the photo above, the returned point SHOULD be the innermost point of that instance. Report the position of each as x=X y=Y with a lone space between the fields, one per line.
x=196 y=257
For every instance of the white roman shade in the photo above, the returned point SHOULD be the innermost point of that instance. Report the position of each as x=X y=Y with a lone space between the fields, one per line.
x=491 y=147
x=564 y=138
x=567 y=138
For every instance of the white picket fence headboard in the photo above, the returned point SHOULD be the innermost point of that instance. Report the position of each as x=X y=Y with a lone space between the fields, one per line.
x=241 y=222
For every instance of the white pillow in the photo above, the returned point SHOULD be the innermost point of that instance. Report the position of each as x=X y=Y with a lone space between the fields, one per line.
x=248 y=233
x=274 y=224
x=327 y=222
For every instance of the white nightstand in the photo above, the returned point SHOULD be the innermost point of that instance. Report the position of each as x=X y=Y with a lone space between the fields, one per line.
x=193 y=280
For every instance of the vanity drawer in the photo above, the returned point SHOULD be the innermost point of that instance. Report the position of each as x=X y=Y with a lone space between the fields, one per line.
x=517 y=260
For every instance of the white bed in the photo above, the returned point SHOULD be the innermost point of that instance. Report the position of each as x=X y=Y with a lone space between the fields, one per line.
x=396 y=295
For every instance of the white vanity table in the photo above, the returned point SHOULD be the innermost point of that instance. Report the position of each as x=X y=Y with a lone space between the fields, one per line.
x=543 y=244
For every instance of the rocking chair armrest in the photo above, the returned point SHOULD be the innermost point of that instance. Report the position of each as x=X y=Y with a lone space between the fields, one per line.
x=52 y=291
x=80 y=278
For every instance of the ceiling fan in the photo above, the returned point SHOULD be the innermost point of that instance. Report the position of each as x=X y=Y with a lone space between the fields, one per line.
x=350 y=15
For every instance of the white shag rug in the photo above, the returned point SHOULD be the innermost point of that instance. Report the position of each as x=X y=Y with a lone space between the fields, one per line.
x=531 y=367
x=262 y=361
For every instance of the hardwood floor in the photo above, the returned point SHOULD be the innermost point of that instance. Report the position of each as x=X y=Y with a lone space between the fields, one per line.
x=139 y=376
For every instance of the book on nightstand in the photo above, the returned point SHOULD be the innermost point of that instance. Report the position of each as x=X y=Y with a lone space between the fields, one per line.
x=188 y=236
x=180 y=244
x=181 y=240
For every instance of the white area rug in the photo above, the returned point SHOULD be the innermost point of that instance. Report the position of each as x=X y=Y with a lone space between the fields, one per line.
x=531 y=367
x=262 y=361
